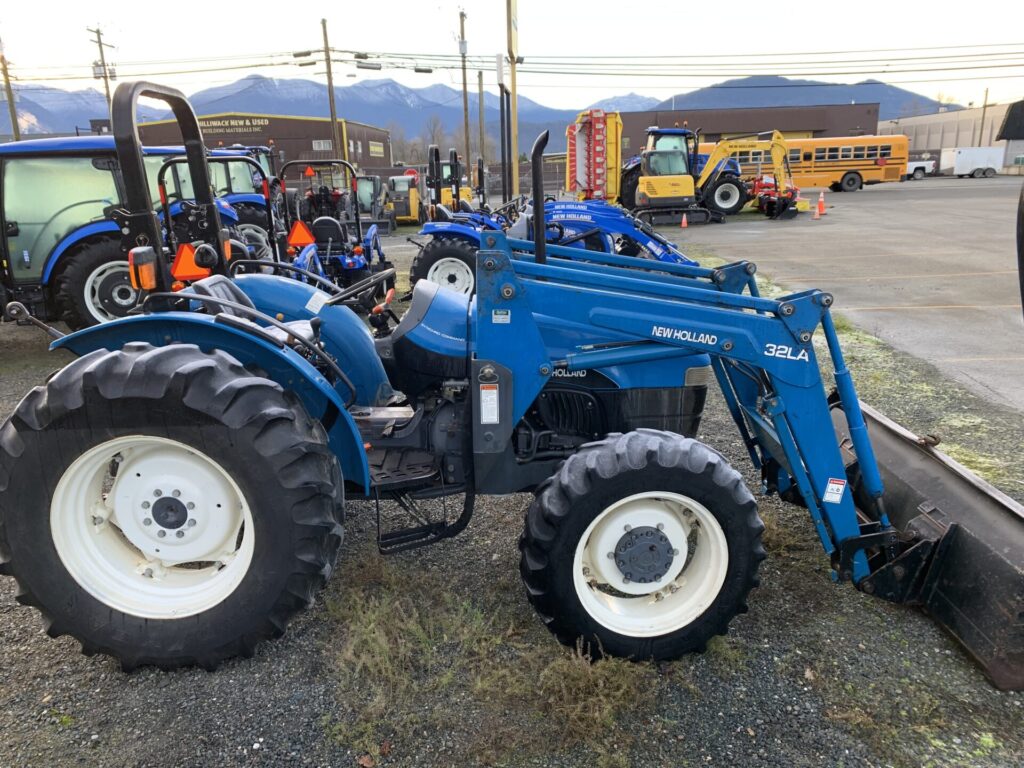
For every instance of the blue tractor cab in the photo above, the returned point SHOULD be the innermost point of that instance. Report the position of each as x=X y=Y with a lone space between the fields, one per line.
x=60 y=253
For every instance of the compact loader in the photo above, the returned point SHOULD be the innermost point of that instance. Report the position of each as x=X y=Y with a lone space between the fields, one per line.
x=175 y=494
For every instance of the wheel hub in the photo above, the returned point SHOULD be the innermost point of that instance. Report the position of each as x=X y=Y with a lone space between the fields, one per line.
x=644 y=555
x=116 y=293
x=169 y=513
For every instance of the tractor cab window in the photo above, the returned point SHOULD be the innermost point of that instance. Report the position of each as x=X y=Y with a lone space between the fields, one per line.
x=365 y=194
x=45 y=199
x=446 y=174
x=237 y=177
x=670 y=142
x=665 y=163
x=400 y=184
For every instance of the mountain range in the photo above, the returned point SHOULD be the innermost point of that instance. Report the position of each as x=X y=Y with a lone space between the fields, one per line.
x=43 y=109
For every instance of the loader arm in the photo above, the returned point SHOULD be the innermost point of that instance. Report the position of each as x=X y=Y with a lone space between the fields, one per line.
x=723 y=151
x=812 y=448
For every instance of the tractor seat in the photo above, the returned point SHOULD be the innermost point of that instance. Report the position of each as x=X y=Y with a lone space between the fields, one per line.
x=329 y=231
x=465 y=207
x=441 y=213
x=220 y=287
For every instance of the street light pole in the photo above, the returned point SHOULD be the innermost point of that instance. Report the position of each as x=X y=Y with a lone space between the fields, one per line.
x=480 y=95
x=465 y=86
x=11 y=108
x=330 y=94
x=103 y=60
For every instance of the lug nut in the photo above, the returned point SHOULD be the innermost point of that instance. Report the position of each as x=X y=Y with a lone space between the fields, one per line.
x=175 y=493
x=192 y=524
x=148 y=573
x=161 y=533
x=675 y=552
x=627 y=528
x=180 y=534
x=611 y=555
x=97 y=520
x=190 y=505
x=158 y=492
x=661 y=526
x=147 y=521
x=145 y=505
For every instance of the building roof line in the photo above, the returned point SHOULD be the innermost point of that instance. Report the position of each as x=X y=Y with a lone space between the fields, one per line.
x=213 y=115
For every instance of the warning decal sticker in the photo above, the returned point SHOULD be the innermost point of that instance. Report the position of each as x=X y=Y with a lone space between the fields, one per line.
x=834 y=491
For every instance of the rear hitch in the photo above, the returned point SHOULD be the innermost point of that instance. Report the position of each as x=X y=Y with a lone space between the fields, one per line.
x=19 y=313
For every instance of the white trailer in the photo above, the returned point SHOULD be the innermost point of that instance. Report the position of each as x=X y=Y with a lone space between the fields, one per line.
x=971 y=161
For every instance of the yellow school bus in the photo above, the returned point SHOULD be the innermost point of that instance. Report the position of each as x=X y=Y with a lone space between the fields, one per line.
x=843 y=163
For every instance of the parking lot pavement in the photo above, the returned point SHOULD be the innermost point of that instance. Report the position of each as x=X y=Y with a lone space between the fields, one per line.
x=927 y=266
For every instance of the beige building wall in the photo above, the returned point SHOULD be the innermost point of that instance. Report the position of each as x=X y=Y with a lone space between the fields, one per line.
x=960 y=128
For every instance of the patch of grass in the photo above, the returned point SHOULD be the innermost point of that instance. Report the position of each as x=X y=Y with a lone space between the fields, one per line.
x=727 y=652
x=404 y=638
x=986 y=465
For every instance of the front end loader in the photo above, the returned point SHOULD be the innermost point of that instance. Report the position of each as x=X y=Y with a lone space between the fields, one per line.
x=175 y=494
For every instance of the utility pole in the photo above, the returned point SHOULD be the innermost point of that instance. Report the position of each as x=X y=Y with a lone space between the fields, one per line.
x=480 y=95
x=11 y=108
x=465 y=86
x=330 y=95
x=981 y=128
x=102 y=69
x=512 y=27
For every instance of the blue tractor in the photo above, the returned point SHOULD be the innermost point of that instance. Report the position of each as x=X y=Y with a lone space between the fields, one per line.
x=176 y=494
x=61 y=251
x=449 y=257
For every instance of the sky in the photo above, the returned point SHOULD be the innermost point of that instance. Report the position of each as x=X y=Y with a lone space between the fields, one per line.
x=568 y=28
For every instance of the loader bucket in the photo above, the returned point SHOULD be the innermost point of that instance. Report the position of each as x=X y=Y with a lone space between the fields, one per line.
x=969 y=543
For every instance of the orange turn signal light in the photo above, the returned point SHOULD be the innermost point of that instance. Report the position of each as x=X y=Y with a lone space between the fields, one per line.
x=358 y=250
x=142 y=268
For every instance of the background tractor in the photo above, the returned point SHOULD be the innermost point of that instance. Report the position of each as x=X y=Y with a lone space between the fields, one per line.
x=175 y=494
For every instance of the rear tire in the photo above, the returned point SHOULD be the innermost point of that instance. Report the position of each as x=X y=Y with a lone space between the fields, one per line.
x=252 y=214
x=990 y=173
x=672 y=494
x=727 y=195
x=95 y=287
x=81 y=463
x=976 y=173
x=851 y=182
x=627 y=191
x=449 y=262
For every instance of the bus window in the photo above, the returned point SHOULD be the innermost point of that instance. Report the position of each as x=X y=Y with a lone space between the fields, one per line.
x=794 y=155
x=886 y=151
x=743 y=158
x=872 y=152
x=858 y=153
x=833 y=153
x=819 y=153
x=846 y=153
x=807 y=157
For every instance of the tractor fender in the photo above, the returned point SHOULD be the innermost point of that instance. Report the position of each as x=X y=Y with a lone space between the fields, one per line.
x=344 y=334
x=371 y=242
x=452 y=229
x=248 y=198
x=77 y=237
x=280 y=364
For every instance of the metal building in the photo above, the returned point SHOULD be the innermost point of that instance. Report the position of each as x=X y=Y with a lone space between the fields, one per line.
x=794 y=122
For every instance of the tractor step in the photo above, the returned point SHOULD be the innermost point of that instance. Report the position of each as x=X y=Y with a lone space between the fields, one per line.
x=397 y=469
x=428 y=531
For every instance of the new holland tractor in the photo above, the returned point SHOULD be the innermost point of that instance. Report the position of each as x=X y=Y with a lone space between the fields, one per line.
x=176 y=494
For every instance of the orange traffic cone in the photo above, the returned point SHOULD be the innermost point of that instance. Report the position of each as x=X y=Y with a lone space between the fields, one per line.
x=683 y=224
x=821 y=203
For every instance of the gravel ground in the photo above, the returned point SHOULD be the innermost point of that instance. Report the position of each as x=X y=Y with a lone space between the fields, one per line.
x=433 y=658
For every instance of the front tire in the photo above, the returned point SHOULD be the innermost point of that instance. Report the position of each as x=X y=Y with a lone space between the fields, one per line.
x=166 y=506
x=727 y=195
x=918 y=174
x=95 y=287
x=643 y=545
x=449 y=262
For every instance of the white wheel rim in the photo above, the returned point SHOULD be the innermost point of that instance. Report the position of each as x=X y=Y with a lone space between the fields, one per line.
x=123 y=295
x=726 y=195
x=453 y=274
x=688 y=587
x=171 y=566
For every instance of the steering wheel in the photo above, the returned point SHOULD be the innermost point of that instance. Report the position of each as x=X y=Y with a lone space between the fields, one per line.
x=363 y=286
x=559 y=230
